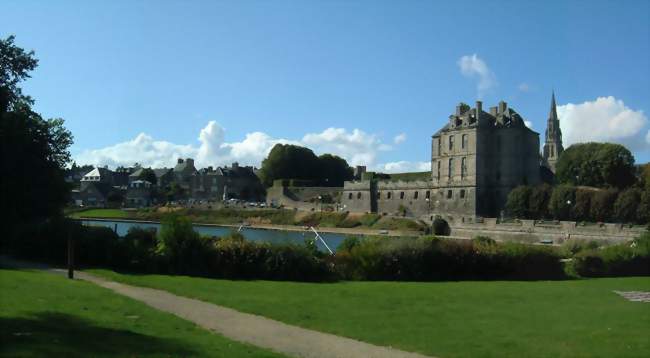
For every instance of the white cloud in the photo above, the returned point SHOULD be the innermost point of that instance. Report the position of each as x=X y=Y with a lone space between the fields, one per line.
x=605 y=119
x=403 y=167
x=647 y=137
x=400 y=138
x=529 y=124
x=474 y=67
x=523 y=87
x=356 y=146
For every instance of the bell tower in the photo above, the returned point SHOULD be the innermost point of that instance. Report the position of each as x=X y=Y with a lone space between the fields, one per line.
x=553 y=143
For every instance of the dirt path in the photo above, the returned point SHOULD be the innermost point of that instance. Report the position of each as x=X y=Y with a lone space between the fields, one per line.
x=243 y=327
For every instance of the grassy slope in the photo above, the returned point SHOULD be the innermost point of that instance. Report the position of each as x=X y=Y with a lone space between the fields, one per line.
x=447 y=319
x=45 y=315
x=101 y=213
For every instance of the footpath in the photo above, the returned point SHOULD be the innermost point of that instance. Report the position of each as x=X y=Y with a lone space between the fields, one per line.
x=243 y=327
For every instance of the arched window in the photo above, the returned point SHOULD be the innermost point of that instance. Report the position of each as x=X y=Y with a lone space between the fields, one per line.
x=438 y=176
x=349 y=196
x=464 y=141
x=401 y=195
x=450 y=170
x=415 y=195
x=389 y=195
x=451 y=142
x=358 y=195
x=378 y=195
x=427 y=194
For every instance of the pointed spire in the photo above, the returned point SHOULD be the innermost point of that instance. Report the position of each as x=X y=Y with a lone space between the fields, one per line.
x=553 y=113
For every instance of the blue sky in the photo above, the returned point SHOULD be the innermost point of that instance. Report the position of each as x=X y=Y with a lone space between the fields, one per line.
x=150 y=80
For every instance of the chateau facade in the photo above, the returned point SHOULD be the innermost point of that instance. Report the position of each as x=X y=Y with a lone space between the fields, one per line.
x=477 y=158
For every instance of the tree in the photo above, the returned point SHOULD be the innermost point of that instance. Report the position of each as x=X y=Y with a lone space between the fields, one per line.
x=517 y=204
x=596 y=164
x=581 y=210
x=625 y=207
x=538 y=201
x=148 y=175
x=288 y=161
x=562 y=201
x=33 y=151
x=602 y=204
x=643 y=211
x=334 y=170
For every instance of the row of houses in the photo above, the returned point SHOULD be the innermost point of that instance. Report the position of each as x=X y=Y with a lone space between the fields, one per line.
x=137 y=186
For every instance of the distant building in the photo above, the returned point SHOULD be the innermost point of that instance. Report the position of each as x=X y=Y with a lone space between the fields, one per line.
x=140 y=194
x=477 y=158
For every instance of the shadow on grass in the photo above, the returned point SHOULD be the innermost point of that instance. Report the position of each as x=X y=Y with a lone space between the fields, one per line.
x=61 y=335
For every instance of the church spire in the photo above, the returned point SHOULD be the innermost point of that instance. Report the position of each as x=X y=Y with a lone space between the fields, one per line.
x=553 y=144
x=552 y=116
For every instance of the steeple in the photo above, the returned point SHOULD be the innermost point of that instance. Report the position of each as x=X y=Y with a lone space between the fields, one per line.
x=553 y=143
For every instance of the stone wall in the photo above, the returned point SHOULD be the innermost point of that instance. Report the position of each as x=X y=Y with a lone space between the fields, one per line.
x=533 y=231
x=357 y=196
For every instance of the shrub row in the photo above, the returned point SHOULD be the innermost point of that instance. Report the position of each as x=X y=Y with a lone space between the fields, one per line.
x=625 y=259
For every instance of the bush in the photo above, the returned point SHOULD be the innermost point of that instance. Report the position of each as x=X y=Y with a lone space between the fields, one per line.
x=581 y=209
x=517 y=204
x=441 y=227
x=602 y=204
x=483 y=240
x=538 y=202
x=625 y=207
x=561 y=202
x=626 y=259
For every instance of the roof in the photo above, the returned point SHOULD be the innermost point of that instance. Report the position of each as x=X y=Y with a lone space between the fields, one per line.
x=161 y=171
x=102 y=173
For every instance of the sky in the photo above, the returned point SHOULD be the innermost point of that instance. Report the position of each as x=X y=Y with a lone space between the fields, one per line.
x=371 y=81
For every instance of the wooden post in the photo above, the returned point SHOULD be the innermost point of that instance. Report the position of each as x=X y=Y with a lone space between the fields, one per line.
x=70 y=253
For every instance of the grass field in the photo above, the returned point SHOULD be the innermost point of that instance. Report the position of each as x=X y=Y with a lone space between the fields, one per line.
x=46 y=315
x=445 y=319
x=101 y=213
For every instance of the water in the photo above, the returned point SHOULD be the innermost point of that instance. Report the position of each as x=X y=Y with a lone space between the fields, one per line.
x=252 y=234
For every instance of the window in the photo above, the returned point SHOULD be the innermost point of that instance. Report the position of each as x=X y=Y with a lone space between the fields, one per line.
x=464 y=141
x=378 y=195
x=463 y=167
x=451 y=142
x=349 y=196
x=358 y=195
x=450 y=170
x=401 y=195
x=439 y=140
x=462 y=193
x=438 y=175
x=388 y=195
x=427 y=194
x=449 y=194
x=415 y=195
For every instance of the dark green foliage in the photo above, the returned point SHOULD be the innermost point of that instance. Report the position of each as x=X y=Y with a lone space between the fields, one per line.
x=484 y=240
x=643 y=210
x=596 y=164
x=562 y=201
x=424 y=260
x=441 y=227
x=33 y=151
x=518 y=202
x=540 y=196
x=148 y=175
x=288 y=161
x=335 y=170
x=625 y=207
x=602 y=205
x=626 y=259
x=582 y=207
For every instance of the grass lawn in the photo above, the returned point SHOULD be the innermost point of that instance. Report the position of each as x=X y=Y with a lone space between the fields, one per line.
x=101 y=213
x=46 y=315
x=445 y=319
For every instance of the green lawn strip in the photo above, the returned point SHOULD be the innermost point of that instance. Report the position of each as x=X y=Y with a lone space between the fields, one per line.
x=43 y=315
x=446 y=319
x=101 y=213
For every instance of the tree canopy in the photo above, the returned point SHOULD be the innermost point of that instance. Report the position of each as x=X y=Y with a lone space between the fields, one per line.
x=288 y=161
x=596 y=164
x=33 y=151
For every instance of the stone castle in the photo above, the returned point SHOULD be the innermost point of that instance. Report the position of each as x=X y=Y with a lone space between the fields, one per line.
x=477 y=158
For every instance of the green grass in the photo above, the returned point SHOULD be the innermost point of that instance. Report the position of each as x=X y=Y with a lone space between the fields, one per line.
x=101 y=213
x=46 y=315
x=445 y=319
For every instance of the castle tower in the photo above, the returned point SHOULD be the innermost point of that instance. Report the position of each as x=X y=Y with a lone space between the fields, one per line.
x=553 y=143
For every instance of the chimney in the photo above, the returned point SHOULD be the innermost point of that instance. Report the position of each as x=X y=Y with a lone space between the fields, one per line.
x=235 y=165
x=180 y=160
x=190 y=161
x=479 y=108
x=458 y=111
x=493 y=111
x=502 y=107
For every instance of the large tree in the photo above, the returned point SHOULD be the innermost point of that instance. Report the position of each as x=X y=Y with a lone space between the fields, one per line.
x=596 y=164
x=334 y=170
x=288 y=161
x=33 y=151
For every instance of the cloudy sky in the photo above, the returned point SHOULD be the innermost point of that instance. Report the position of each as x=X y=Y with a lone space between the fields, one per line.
x=150 y=81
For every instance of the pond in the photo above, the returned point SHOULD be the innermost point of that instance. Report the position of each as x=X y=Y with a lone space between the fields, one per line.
x=273 y=236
